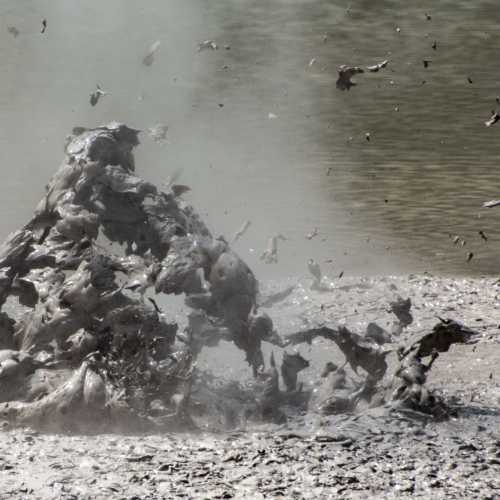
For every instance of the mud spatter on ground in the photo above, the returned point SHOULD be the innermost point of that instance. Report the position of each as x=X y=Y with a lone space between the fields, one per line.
x=391 y=459
x=372 y=454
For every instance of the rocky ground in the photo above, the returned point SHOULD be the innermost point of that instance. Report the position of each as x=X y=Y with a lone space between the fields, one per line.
x=369 y=455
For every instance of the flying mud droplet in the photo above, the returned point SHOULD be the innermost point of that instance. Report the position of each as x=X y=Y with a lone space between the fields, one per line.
x=13 y=31
x=345 y=73
x=179 y=189
x=493 y=119
x=207 y=45
x=240 y=232
x=312 y=234
x=173 y=178
x=270 y=254
x=149 y=58
x=376 y=67
x=96 y=95
x=491 y=204
x=158 y=133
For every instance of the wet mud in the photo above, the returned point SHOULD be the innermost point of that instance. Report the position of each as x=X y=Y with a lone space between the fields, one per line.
x=369 y=453
x=383 y=386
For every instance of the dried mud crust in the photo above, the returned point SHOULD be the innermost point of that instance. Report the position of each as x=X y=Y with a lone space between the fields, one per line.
x=399 y=460
x=369 y=455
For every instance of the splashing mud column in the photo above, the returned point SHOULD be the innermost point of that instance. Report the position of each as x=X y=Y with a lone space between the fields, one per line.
x=81 y=342
x=87 y=343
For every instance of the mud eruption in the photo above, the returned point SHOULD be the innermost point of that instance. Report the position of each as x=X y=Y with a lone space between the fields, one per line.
x=89 y=348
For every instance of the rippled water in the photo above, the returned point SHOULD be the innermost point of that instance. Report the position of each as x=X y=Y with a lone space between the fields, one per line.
x=384 y=205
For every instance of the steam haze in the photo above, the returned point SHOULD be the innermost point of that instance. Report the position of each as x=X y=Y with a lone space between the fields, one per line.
x=433 y=160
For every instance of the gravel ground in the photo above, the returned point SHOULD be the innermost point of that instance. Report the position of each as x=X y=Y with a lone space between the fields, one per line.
x=369 y=455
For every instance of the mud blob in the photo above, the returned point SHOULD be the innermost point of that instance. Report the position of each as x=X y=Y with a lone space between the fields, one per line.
x=103 y=349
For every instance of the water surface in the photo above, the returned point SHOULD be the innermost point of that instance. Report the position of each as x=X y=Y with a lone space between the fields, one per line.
x=386 y=205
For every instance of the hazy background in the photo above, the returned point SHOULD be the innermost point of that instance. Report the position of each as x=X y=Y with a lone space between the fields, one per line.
x=387 y=204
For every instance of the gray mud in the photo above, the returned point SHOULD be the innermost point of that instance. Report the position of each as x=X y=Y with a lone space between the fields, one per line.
x=404 y=460
x=371 y=454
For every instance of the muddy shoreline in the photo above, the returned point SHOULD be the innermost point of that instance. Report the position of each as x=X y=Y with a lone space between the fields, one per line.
x=371 y=453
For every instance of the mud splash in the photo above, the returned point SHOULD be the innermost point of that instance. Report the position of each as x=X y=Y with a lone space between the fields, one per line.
x=92 y=345
x=88 y=344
